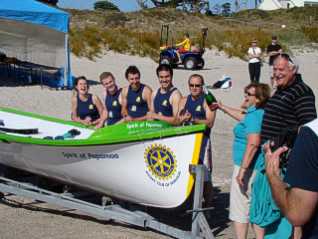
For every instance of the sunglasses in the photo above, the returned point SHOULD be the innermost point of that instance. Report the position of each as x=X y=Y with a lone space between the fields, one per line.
x=287 y=57
x=249 y=94
x=195 y=85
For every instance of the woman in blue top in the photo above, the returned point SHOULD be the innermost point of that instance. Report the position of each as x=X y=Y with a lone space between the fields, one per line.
x=246 y=149
x=87 y=108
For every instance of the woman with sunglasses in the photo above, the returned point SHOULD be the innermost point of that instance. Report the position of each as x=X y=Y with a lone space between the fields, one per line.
x=87 y=108
x=246 y=149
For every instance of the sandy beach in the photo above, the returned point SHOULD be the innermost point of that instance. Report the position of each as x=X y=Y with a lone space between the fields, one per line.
x=19 y=222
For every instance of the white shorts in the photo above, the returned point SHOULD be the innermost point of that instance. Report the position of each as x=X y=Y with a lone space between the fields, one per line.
x=240 y=198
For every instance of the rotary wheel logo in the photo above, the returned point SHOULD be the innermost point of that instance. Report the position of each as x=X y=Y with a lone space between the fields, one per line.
x=160 y=161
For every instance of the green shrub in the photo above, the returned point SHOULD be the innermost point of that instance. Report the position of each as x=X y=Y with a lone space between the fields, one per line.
x=139 y=32
x=311 y=33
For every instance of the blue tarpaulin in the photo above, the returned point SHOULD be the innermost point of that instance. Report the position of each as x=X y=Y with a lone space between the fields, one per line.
x=33 y=13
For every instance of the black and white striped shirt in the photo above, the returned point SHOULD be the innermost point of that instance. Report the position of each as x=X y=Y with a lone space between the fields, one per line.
x=288 y=108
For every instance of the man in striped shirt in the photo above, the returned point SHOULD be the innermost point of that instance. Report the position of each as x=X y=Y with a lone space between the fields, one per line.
x=291 y=106
x=293 y=103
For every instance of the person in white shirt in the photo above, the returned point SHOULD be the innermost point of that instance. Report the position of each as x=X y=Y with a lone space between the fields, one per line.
x=254 y=61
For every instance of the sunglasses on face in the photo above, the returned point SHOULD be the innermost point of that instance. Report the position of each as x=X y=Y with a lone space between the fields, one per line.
x=195 y=85
x=249 y=94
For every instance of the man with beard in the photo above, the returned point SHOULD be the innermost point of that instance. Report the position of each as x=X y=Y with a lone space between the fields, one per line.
x=136 y=97
x=165 y=101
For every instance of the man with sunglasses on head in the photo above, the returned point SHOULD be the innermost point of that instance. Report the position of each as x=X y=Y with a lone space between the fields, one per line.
x=291 y=106
x=194 y=109
x=165 y=101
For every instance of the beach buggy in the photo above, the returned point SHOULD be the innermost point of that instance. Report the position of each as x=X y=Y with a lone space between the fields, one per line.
x=190 y=60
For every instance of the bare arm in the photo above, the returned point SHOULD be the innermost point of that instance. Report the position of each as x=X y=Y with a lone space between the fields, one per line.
x=237 y=114
x=298 y=205
x=182 y=116
x=181 y=43
x=101 y=110
x=146 y=94
x=253 y=142
x=123 y=97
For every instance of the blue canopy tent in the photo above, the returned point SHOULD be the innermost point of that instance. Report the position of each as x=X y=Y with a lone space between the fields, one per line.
x=36 y=35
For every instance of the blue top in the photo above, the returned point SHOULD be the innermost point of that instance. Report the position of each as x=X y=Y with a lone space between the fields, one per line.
x=302 y=172
x=195 y=107
x=250 y=124
x=137 y=106
x=87 y=108
x=162 y=104
x=113 y=108
x=35 y=12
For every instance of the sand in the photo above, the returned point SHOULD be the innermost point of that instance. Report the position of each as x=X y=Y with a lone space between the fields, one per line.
x=17 y=222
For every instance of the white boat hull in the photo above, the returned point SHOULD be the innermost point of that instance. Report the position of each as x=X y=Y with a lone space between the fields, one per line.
x=151 y=172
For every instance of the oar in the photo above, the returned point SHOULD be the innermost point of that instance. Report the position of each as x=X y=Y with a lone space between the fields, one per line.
x=19 y=131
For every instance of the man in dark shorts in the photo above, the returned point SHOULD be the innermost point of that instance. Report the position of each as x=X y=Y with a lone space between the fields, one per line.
x=273 y=50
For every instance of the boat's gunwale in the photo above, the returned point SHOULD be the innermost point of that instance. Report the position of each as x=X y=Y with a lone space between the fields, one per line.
x=92 y=141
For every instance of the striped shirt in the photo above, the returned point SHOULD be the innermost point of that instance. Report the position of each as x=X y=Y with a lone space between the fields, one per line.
x=288 y=108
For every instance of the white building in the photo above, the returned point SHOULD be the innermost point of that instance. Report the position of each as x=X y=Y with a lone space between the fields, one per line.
x=277 y=4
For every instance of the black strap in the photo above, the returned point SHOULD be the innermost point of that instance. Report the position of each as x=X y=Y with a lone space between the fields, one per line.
x=19 y=131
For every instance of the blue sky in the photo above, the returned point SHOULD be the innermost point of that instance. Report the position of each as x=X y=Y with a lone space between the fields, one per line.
x=124 y=5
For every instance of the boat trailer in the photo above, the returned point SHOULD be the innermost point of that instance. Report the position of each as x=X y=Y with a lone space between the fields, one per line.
x=199 y=228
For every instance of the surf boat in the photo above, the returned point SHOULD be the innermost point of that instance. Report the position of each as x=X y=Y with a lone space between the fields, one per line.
x=142 y=162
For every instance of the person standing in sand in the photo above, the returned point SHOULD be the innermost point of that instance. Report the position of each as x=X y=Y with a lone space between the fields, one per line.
x=272 y=51
x=112 y=98
x=291 y=106
x=86 y=108
x=254 y=61
x=246 y=151
x=136 y=97
x=165 y=101
x=193 y=109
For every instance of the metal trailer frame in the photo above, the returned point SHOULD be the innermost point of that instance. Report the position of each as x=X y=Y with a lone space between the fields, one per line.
x=200 y=227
